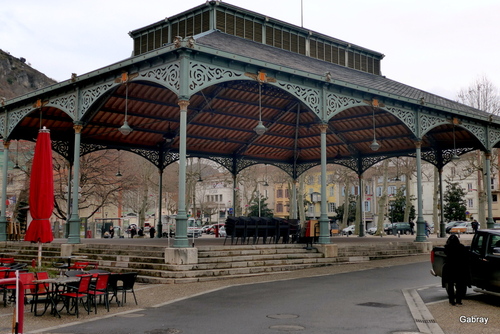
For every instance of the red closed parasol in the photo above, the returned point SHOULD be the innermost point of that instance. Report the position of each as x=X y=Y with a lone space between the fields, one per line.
x=41 y=192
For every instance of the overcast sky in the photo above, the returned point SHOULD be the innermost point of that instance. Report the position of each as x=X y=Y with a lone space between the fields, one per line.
x=440 y=46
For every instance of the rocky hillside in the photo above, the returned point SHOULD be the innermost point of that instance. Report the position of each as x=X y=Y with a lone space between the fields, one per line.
x=18 y=78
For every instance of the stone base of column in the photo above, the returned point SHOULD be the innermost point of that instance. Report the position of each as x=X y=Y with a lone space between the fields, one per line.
x=425 y=247
x=328 y=250
x=68 y=249
x=181 y=256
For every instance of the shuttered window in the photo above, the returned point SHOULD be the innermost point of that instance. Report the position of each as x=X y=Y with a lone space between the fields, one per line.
x=350 y=59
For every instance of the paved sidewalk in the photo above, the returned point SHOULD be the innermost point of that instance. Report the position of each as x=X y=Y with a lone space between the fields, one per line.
x=151 y=295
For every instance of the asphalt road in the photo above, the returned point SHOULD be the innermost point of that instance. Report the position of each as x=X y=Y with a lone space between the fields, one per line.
x=368 y=301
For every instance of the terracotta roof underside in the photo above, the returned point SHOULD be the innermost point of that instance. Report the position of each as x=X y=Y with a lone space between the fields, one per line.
x=221 y=118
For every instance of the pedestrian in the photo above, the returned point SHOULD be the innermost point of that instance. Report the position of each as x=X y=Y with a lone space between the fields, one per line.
x=455 y=274
x=412 y=227
x=141 y=232
x=427 y=229
x=152 y=232
x=475 y=225
x=111 y=231
x=133 y=232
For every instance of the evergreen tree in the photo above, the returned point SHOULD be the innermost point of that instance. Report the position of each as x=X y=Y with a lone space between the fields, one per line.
x=454 y=199
x=352 y=210
x=397 y=207
x=253 y=210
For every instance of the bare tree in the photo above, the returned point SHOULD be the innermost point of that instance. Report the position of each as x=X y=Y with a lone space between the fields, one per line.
x=99 y=186
x=485 y=96
x=482 y=94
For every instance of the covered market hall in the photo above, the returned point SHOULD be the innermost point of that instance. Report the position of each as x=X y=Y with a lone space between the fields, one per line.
x=240 y=88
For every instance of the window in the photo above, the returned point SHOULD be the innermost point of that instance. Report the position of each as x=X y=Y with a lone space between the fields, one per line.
x=379 y=191
x=391 y=190
x=494 y=198
x=470 y=202
x=469 y=187
x=331 y=207
x=367 y=206
x=279 y=207
x=331 y=191
x=279 y=193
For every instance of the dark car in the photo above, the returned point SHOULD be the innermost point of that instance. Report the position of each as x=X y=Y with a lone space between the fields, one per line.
x=398 y=228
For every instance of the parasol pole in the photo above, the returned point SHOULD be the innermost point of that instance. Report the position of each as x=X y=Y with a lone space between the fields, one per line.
x=39 y=255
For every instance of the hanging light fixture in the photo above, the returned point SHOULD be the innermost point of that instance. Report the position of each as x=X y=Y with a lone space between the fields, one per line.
x=125 y=129
x=260 y=129
x=17 y=156
x=374 y=145
x=118 y=174
x=455 y=157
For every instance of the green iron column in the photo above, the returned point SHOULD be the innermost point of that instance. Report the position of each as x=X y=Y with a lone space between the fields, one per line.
x=74 y=220
x=361 y=206
x=421 y=236
x=442 y=225
x=181 y=240
x=324 y=224
x=293 y=203
x=3 y=216
x=159 y=226
x=489 y=220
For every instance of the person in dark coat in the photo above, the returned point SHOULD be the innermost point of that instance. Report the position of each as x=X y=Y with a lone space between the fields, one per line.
x=152 y=232
x=475 y=225
x=455 y=273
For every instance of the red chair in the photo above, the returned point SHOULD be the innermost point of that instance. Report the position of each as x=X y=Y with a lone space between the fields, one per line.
x=100 y=288
x=43 y=289
x=78 y=266
x=9 y=288
x=79 y=295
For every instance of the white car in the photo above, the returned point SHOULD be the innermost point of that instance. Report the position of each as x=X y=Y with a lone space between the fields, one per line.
x=348 y=230
x=372 y=230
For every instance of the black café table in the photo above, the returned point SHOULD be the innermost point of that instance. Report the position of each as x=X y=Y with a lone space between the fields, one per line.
x=64 y=266
x=58 y=285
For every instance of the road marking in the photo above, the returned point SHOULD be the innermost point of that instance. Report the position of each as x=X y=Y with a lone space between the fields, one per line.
x=423 y=318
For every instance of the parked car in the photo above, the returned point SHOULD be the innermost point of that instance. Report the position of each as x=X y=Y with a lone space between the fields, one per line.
x=451 y=224
x=398 y=228
x=465 y=227
x=214 y=226
x=348 y=230
x=372 y=230
x=482 y=262
x=206 y=229
x=222 y=231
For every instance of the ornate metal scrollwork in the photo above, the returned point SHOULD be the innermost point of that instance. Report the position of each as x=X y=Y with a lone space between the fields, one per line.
x=90 y=95
x=16 y=116
x=406 y=116
x=336 y=103
x=166 y=75
x=2 y=125
x=493 y=137
x=62 y=148
x=66 y=103
x=309 y=96
x=427 y=122
x=201 y=75
x=478 y=131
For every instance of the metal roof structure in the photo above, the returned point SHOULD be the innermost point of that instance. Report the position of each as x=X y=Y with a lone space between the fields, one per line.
x=223 y=114
x=229 y=84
